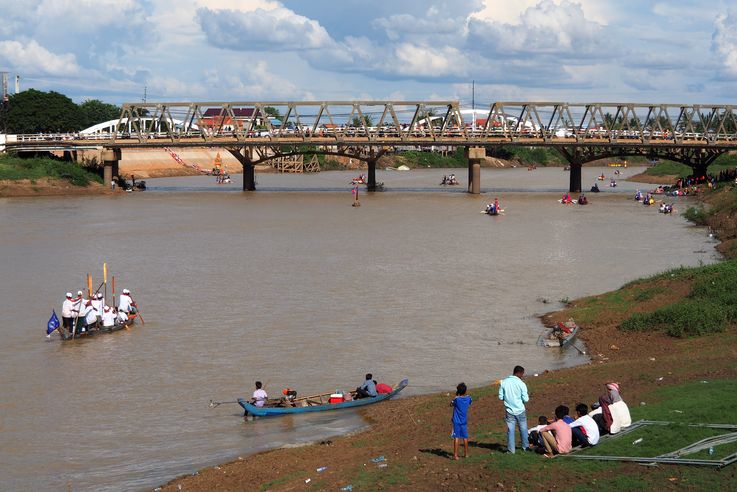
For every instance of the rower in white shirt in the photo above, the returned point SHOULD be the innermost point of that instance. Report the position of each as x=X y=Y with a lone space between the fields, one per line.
x=68 y=312
x=127 y=303
x=90 y=316
x=97 y=304
x=122 y=316
x=108 y=317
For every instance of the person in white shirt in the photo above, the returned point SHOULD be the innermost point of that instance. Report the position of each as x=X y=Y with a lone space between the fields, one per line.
x=90 y=316
x=108 y=317
x=68 y=311
x=97 y=304
x=584 y=429
x=126 y=303
x=259 y=396
x=122 y=316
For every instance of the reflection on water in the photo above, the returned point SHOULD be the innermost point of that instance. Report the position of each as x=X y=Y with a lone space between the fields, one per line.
x=296 y=289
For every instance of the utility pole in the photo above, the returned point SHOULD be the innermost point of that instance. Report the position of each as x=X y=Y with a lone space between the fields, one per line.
x=473 y=96
x=17 y=84
x=5 y=86
x=144 y=93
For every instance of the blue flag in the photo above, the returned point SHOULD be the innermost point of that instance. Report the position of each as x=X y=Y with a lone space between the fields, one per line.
x=53 y=323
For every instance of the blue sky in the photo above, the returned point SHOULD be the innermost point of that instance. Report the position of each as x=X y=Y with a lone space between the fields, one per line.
x=677 y=51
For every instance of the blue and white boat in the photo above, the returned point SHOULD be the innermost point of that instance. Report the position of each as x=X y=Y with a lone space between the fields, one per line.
x=316 y=403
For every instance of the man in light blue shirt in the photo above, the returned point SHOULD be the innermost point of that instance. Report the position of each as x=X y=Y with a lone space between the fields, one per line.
x=368 y=389
x=513 y=392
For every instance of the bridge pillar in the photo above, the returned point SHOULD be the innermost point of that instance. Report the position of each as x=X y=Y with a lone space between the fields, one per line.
x=475 y=156
x=371 y=185
x=110 y=162
x=575 y=178
x=249 y=177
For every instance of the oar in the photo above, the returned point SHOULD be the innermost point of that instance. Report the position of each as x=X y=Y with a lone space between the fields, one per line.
x=104 y=278
x=214 y=404
x=114 y=292
x=138 y=310
x=89 y=285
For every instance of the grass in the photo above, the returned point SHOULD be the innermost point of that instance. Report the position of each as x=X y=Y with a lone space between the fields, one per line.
x=15 y=168
x=696 y=402
x=542 y=156
x=414 y=158
x=283 y=480
x=708 y=308
x=668 y=168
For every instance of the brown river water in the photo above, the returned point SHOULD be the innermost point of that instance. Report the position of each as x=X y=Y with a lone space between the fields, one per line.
x=293 y=286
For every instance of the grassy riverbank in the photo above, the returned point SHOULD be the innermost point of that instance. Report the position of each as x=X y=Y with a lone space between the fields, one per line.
x=44 y=176
x=659 y=337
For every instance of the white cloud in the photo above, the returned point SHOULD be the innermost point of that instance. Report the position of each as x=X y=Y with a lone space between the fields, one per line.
x=724 y=41
x=275 y=29
x=34 y=59
x=546 y=28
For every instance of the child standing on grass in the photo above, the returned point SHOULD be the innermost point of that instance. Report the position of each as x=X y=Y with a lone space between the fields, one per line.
x=460 y=406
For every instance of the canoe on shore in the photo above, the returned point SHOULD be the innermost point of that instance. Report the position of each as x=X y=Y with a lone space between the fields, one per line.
x=97 y=331
x=561 y=335
x=315 y=403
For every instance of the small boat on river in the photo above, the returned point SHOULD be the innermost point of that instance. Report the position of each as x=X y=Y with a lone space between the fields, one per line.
x=101 y=330
x=315 y=403
x=561 y=335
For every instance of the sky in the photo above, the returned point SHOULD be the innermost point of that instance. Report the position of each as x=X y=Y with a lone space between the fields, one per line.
x=677 y=51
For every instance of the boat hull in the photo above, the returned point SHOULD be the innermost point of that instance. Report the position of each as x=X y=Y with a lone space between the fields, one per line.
x=66 y=337
x=265 y=411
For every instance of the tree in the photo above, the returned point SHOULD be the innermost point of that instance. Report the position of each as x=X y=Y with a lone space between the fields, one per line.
x=273 y=112
x=356 y=121
x=95 y=111
x=35 y=111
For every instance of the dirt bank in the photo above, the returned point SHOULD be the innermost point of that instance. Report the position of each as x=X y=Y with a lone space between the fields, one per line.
x=48 y=187
x=666 y=179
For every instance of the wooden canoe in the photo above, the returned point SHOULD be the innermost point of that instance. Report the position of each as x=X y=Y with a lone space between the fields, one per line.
x=96 y=331
x=315 y=403
x=561 y=335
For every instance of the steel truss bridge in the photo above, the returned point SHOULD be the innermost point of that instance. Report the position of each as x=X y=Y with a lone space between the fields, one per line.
x=691 y=134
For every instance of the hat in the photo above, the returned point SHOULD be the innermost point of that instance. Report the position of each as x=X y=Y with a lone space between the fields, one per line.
x=126 y=291
x=107 y=308
x=612 y=386
x=79 y=293
x=99 y=295
x=69 y=294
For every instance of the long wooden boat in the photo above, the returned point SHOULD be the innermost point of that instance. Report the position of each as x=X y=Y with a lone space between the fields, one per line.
x=561 y=335
x=97 y=331
x=315 y=403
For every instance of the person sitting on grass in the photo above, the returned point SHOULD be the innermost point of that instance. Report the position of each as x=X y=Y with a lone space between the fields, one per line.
x=535 y=437
x=584 y=430
x=460 y=406
x=557 y=436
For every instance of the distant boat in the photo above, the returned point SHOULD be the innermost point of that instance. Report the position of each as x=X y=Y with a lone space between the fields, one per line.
x=315 y=403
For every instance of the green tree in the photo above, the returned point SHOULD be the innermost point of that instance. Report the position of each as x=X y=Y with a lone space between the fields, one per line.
x=35 y=111
x=95 y=111
x=356 y=121
x=273 y=112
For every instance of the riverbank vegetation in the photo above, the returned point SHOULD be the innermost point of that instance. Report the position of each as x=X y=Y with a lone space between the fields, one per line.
x=14 y=168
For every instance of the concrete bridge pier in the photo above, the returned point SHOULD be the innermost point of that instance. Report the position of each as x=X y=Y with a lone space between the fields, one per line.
x=575 y=178
x=475 y=155
x=371 y=185
x=110 y=161
x=246 y=157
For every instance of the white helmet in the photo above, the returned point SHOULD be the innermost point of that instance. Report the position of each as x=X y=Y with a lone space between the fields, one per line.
x=126 y=291
x=79 y=293
x=69 y=294
x=99 y=295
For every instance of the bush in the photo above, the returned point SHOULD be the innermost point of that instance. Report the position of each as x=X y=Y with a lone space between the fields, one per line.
x=16 y=168
x=710 y=305
x=697 y=215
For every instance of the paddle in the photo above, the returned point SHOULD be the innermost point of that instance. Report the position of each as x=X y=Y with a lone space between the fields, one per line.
x=138 y=310
x=104 y=277
x=214 y=404
x=114 y=291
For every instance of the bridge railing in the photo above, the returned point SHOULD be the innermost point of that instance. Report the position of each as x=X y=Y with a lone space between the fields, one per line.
x=414 y=123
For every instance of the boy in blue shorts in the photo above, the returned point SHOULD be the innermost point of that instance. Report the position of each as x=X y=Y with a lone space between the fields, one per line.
x=460 y=406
